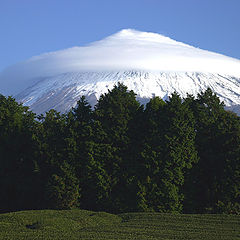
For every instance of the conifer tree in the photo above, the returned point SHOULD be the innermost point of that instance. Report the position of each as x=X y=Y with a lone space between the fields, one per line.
x=56 y=149
x=17 y=147
x=213 y=185
x=90 y=158
x=168 y=152
x=115 y=111
x=62 y=188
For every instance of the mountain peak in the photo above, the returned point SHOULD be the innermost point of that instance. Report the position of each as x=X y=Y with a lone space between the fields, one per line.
x=125 y=50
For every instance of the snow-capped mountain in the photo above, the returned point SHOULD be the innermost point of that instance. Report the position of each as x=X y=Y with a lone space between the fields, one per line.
x=148 y=63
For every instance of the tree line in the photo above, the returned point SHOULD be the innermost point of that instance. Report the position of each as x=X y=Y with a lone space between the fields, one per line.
x=181 y=155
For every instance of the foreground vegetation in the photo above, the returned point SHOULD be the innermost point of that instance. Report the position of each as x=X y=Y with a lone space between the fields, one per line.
x=182 y=155
x=80 y=224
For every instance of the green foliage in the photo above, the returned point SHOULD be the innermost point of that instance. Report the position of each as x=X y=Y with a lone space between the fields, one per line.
x=181 y=155
x=115 y=111
x=17 y=148
x=91 y=155
x=79 y=224
x=168 y=152
x=62 y=189
x=214 y=182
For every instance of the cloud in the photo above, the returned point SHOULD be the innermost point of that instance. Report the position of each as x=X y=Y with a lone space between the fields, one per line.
x=125 y=50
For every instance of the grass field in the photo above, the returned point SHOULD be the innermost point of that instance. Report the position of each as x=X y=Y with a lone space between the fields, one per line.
x=80 y=224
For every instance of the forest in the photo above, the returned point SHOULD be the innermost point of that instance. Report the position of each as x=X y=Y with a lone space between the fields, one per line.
x=178 y=156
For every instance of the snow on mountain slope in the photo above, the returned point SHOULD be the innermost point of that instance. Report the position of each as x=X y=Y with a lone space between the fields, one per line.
x=148 y=63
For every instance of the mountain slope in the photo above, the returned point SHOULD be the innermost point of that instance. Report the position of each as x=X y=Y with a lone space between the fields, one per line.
x=148 y=63
x=62 y=91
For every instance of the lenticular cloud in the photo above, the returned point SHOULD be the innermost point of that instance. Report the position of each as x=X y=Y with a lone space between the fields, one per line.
x=124 y=51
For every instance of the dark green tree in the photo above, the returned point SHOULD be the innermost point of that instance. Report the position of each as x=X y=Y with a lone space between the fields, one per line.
x=55 y=161
x=62 y=188
x=90 y=158
x=213 y=184
x=115 y=111
x=17 y=148
x=168 y=152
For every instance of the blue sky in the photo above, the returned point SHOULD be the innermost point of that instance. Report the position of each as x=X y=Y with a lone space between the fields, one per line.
x=32 y=27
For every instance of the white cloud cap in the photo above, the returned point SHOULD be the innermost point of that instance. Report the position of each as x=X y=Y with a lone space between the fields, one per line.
x=126 y=50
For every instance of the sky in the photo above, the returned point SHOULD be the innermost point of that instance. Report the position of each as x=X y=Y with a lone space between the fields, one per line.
x=32 y=27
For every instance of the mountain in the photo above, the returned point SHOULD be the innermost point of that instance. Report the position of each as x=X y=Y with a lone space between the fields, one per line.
x=148 y=63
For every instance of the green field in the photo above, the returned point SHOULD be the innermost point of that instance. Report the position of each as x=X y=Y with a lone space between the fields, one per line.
x=80 y=224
